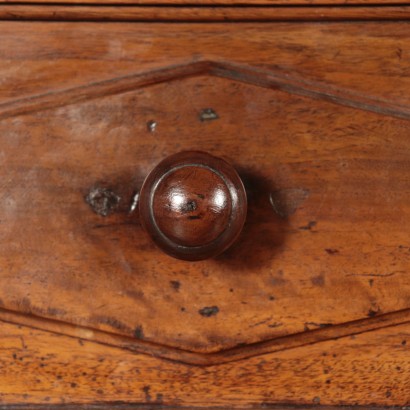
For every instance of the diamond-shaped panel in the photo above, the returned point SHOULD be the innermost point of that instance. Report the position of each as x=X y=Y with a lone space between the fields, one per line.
x=312 y=253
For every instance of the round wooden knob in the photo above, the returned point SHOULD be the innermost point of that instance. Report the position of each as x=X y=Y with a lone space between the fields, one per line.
x=193 y=205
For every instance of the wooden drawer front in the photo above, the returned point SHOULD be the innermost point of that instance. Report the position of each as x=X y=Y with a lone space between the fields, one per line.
x=314 y=117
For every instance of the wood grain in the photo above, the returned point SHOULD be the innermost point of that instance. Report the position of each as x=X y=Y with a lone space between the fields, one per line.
x=265 y=286
x=38 y=367
x=50 y=57
x=272 y=79
x=308 y=308
x=101 y=13
x=222 y=3
x=139 y=346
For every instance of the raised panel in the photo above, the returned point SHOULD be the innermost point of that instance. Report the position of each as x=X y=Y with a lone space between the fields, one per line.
x=326 y=235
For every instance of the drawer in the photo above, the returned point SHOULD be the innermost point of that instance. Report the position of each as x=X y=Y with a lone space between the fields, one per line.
x=311 y=305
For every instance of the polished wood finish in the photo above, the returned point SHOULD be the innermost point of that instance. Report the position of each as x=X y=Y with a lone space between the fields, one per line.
x=311 y=306
x=297 y=221
x=193 y=205
x=222 y=3
x=72 y=12
x=370 y=369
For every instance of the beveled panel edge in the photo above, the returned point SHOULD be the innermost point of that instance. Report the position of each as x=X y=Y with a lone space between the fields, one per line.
x=234 y=354
x=106 y=12
x=273 y=79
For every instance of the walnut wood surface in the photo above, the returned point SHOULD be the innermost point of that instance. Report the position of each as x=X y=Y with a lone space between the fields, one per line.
x=316 y=119
x=302 y=242
x=307 y=160
x=47 y=58
x=214 y=2
x=73 y=12
x=368 y=369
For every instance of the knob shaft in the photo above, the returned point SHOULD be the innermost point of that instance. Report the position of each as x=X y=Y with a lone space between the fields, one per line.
x=193 y=205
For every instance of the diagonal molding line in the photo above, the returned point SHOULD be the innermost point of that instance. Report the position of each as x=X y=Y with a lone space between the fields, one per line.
x=206 y=359
x=105 y=88
x=266 y=78
x=315 y=90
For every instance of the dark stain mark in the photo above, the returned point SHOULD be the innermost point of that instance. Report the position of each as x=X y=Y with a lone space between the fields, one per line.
x=372 y=312
x=309 y=226
x=399 y=53
x=262 y=322
x=135 y=294
x=100 y=391
x=202 y=196
x=388 y=393
x=175 y=285
x=318 y=280
x=183 y=309
x=112 y=322
x=209 y=311
x=103 y=201
x=1 y=303
x=55 y=312
x=189 y=206
x=151 y=126
x=275 y=281
x=398 y=368
x=146 y=390
x=14 y=356
x=371 y=281
x=193 y=217
x=208 y=114
x=231 y=290
x=73 y=385
x=331 y=251
x=275 y=324
x=271 y=297
x=59 y=377
x=139 y=333
x=80 y=342
x=377 y=275
x=308 y=325
x=285 y=202
x=328 y=381
x=403 y=343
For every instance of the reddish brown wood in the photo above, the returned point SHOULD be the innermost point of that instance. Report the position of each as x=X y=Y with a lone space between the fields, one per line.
x=235 y=354
x=368 y=369
x=315 y=119
x=224 y=3
x=74 y=12
x=193 y=205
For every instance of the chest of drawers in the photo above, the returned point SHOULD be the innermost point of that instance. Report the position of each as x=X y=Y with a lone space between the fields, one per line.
x=309 y=103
